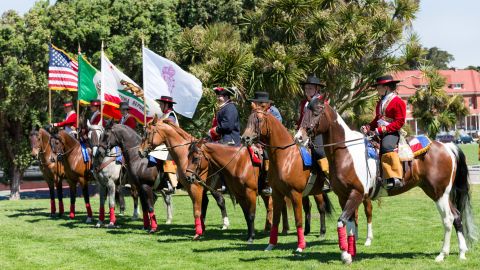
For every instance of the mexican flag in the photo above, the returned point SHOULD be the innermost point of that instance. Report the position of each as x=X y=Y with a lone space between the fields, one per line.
x=88 y=81
x=114 y=92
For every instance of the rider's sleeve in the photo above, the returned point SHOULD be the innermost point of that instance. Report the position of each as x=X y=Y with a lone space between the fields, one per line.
x=70 y=121
x=274 y=111
x=373 y=125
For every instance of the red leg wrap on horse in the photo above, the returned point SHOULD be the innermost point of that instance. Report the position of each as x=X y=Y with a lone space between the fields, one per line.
x=273 y=235
x=72 y=211
x=52 y=206
x=301 y=238
x=113 y=219
x=342 y=238
x=352 y=248
x=203 y=222
x=153 y=220
x=101 y=214
x=198 y=226
x=89 y=210
x=61 y=209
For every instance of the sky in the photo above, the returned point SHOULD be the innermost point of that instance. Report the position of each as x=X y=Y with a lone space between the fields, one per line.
x=451 y=25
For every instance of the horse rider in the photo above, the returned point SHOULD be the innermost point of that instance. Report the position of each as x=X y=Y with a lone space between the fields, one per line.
x=95 y=110
x=312 y=89
x=389 y=118
x=70 y=122
x=161 y=152
x=261 y=100
x=127 y=119
x=226 y=123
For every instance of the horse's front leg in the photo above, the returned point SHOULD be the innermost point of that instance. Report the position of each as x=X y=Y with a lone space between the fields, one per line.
x=86 y=198
x=134 y=193
x=101 y=212
x=267 y=201
x=443 y=206
x=278 y=205
x=196 y=194
x=61 y=208
x=51 y=189
x=151 y=209
x=223 y=209
x=297 y=199
x=111 y=202
x=73 y=197
x=167 y=198
x=320 y=201
x=346 y=225
x=307 y=208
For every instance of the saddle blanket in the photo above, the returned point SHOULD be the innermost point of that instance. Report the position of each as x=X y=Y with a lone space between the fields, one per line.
x=371 y=151
x=119 y=156
x=160 y=152
x=255 y=155
x=306 y=156
x=85 y=155
x=419 y=145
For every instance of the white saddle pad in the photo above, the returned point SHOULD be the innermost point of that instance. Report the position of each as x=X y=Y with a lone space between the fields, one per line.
x=161 y=153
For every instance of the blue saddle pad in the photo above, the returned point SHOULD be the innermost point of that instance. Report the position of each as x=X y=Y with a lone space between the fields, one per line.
x=152 y=161
x=119 y=156
x=306 y=156
x=85 y=155
x=372 y=152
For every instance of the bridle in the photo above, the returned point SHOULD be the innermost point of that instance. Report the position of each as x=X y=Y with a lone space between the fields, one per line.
x=148 y=138
x=258 y=132
x=59 y=155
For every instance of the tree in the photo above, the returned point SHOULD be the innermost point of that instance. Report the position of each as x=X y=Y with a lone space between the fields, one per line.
x=477 y=68
x=433 y=108
x=438 y=58
x=23 y=83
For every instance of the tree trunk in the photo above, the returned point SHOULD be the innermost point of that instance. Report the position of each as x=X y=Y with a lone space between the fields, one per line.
x=16 y=176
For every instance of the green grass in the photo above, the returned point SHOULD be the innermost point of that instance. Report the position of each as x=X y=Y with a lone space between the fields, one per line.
x=471 y=153
x=407 y=234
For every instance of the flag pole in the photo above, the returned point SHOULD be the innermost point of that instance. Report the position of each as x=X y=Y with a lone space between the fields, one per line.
x=49 y=90
x=144 y=98
x=78 y=86
x=101 y=93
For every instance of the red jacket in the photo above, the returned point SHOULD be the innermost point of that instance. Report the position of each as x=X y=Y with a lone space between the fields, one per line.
x=394 y=113
x=130 y=121
x=96 y=120
x=70 y=121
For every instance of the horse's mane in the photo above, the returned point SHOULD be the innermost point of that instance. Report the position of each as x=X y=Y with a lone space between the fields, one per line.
x=179 y=130
x=129 y=132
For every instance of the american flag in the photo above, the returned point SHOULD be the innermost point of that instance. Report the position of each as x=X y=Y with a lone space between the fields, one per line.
x=62 y=71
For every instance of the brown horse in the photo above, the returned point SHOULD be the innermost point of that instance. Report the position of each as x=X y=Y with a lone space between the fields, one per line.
x=206 y=160
x=53 y=172
x=441 y=173
x=178 y=141
x=288 y=175
x=68 y=151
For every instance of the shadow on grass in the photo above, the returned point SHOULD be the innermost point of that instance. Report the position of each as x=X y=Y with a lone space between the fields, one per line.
x=329 y=257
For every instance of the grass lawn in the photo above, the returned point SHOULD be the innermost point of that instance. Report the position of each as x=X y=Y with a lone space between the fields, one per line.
x=407 y=234
x=471 y=153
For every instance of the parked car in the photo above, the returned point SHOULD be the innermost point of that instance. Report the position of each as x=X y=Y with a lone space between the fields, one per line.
x=464 y=138
x=445 y=138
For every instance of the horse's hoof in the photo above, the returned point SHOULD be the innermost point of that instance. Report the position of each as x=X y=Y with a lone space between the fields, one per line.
x=99 y=224
x=226 y=223
x=196 y=237
x=346 y=258
x=111 y=225
x=121 y=213
x=152 y=231
x=269 y=247
x=250 y=241
x=462 y=255
x=89 y=220
x=71 y=216
x=169 y=221
x=298 y=250
x=322 y=236
x=135 y=217
x=368 y=242
x=440 y=257
x=224 y=227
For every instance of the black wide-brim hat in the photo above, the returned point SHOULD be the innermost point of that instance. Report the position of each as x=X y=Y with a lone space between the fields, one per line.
x=124 y=106
x=312 y=79
x=166 y=99
x=261 y=97
x=386 y=79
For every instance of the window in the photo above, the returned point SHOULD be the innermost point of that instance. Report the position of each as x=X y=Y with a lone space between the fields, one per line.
x=456 y=85
x=470 y=102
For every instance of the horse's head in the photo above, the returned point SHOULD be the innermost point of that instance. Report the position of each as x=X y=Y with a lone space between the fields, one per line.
x=257 y=127
x=58 y=144
x=94 y=134
x=35 y=142
x=317 y=119
x=109 y=137
x=152 y=137
x=197 y=163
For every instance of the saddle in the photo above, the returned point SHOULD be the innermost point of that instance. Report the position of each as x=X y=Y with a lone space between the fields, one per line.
x=256 y=154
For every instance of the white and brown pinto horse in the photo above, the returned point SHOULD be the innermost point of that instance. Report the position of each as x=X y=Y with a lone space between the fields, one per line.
x=441 y=173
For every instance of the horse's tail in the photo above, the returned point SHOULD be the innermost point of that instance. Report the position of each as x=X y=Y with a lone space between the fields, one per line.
x=460 y=195
x=328 y=204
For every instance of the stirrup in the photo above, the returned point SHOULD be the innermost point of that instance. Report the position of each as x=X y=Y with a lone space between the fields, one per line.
x=267 y=191
x=393 y=183
x=326 y=186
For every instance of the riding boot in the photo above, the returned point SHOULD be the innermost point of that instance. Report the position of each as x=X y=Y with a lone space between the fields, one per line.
x=267 y=190
x=392 y=171
x=323 y=163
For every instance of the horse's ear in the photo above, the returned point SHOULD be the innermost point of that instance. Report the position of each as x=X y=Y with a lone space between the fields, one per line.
x=109 y=124
x=155 y=120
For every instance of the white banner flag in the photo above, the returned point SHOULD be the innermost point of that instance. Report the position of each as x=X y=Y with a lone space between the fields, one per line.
x=162 y=77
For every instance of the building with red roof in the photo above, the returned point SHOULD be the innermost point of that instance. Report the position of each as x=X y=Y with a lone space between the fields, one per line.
x=458 y=81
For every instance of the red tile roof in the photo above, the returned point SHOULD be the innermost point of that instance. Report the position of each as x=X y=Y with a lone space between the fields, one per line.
x=413 y=78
